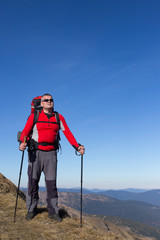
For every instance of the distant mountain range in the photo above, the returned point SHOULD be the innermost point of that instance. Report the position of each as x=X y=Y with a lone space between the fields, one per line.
x=107 y=206
x=151 y=196
x=148 y=196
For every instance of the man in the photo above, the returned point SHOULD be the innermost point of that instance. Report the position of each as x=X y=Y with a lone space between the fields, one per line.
x=43 y=155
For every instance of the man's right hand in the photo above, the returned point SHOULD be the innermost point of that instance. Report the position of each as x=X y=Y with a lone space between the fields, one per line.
x=22 y=146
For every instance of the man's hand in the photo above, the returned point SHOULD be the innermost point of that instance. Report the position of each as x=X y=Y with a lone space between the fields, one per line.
x=22 y=146
x=81 y=150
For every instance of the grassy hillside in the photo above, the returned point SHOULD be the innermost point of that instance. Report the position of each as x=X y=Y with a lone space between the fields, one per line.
x=43 y=228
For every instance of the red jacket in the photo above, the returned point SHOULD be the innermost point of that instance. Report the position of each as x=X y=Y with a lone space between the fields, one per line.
x=46 y=129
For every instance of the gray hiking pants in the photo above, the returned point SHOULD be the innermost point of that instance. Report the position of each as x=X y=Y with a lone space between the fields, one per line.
x=38 y=162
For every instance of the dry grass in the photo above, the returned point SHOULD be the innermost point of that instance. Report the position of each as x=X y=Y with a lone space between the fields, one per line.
x=43 y=228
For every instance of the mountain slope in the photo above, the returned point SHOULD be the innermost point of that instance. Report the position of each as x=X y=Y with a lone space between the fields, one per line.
x=152 y=197
x=45 y=229
x=118 y=194
x=102 y=205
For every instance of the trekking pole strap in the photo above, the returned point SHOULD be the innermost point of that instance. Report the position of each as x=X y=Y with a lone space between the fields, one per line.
x=76 y=151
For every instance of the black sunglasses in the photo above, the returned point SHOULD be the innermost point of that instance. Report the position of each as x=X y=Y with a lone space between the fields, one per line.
x=48 y=100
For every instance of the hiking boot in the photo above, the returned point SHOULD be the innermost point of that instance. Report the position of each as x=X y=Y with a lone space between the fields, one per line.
x=30 y=215
x=55 y=217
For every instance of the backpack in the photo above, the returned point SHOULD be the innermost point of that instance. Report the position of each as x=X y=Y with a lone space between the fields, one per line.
x=36 y=108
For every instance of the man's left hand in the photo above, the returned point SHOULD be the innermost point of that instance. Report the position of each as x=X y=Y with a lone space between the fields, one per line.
x=81 y=150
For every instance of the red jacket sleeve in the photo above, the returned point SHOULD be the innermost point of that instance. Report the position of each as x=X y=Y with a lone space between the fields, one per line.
x=68 y=134
x=28 y=128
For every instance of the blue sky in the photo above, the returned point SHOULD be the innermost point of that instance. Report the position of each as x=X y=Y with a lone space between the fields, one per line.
x=101 y=62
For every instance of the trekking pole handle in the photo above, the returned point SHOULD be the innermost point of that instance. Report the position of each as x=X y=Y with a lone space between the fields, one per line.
x=25 y=139
x=77 y=151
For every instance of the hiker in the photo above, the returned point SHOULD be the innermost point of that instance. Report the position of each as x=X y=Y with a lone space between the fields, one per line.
x=42 y=152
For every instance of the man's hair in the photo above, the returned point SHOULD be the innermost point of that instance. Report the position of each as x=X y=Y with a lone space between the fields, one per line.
x=46 y=94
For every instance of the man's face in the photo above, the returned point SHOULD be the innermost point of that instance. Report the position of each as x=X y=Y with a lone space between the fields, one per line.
x=47 y=102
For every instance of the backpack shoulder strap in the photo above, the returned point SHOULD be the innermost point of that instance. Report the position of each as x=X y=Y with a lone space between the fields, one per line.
x=57 y=119
x=36 y=115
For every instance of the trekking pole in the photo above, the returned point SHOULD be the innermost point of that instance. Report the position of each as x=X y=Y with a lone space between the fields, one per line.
x=19 y=182
x=81 y=188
